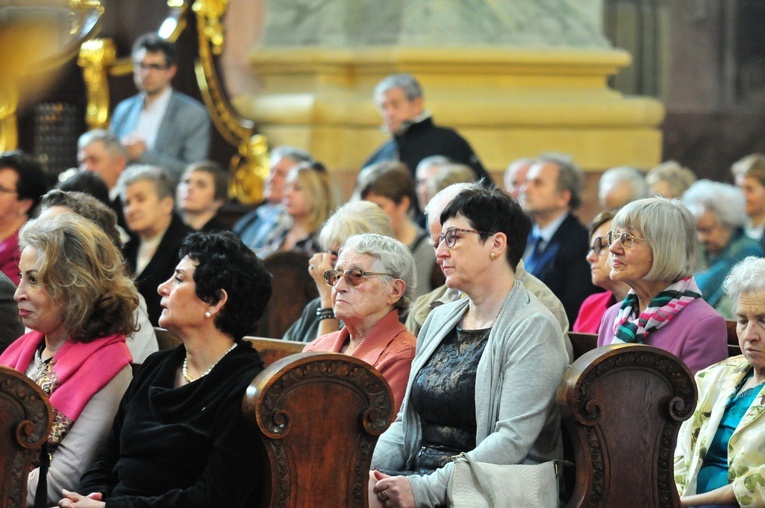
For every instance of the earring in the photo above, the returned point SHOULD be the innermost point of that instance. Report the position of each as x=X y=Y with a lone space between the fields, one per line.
x=207 y=314
x=492 y=256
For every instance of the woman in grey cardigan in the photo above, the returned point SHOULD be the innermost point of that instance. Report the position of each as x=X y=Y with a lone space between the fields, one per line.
x=487 y=366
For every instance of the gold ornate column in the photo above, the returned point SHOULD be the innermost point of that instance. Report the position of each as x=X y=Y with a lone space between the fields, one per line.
x=95 y=58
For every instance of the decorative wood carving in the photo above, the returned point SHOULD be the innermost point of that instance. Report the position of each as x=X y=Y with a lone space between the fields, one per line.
x=623 y=406
x=25 y=420
x=319 y=416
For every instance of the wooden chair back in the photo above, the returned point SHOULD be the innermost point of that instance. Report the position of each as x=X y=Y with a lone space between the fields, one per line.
x=582 y=342
x=734 y=349
x=292 y=287
x=25 y=421
x=274 y=349
x=623 y=405
x=319 y=416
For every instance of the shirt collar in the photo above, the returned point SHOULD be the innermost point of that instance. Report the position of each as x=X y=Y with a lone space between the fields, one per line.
x=547 y=232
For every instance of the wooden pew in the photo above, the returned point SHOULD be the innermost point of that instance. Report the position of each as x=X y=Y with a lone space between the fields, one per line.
x=623 y=405
x=319 y=416
x=26 y=417
x=582 y=342
x=274 y=349
x=733 y=347
x=165 y=339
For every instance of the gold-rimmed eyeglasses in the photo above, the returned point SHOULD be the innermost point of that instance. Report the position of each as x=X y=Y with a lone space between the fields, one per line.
x=626 y=239
x=450 y=235
x=353 y=276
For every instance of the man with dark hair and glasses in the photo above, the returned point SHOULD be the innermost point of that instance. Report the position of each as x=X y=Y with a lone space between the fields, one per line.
x=160 y=126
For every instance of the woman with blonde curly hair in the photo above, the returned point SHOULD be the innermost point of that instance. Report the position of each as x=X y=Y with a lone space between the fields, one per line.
x=78 y=301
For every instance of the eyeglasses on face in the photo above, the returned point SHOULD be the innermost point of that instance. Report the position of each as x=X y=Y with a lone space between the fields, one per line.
x=450 y=235
x=626 y=239
x=598 y=244
x=152 y=66
x=353 y=277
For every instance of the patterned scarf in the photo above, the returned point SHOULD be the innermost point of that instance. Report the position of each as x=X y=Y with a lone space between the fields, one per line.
x=75 y=373
x=631 y=327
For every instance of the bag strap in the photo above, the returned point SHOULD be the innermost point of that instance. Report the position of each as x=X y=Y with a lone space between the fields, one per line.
x=480 y=477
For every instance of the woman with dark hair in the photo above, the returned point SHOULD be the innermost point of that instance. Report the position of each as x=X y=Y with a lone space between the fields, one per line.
x=22 y=182
x=594 y=306
x=78 y=301
x=179 y=438
x=200 y=194
x=491 y=344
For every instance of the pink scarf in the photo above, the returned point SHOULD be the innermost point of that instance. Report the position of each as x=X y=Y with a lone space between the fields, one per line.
x=75 y=373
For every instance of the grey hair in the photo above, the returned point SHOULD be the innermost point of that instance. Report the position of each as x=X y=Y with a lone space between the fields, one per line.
x=433 y=160
x=725 y=201
x=623 y=174
x=445 y=196
x=570 y=176
x=110 y=142
x=355 y=218
x=670 y=230
x=404 y=81
x=678 y=178
x=297 y=155
x=451 y=174
x=747 y=275
x=391 y=256
x=164 y=185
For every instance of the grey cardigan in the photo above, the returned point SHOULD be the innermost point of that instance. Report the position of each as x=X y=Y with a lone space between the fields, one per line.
x=516 y=381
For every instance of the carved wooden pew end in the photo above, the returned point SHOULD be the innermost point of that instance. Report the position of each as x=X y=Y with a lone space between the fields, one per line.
x=623 y=406
x=25 y=421
x=319 y=416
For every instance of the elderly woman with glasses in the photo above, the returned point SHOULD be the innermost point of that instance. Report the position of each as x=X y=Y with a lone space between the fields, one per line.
x=653 y=250
x=719 y=458
x=371 y=284
x=487 y=366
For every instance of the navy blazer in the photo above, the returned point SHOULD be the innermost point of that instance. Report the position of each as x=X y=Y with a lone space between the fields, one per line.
x=161 y=266
x=563 y=266
x=183 y=137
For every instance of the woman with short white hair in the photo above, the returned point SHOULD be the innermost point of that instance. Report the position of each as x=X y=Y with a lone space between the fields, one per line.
x=371 y=286
x=653 y=250
x=718 y=209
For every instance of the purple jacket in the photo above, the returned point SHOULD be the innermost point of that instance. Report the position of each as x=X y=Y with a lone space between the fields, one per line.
x=696 y=335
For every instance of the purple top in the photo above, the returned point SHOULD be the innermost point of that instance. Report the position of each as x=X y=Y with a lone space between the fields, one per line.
x=697 y=335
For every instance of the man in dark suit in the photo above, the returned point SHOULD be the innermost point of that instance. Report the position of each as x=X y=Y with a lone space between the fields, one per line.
x=147 y=194
x=10 y=324
x=160 y=126
x=558 y=243
x=415 y=137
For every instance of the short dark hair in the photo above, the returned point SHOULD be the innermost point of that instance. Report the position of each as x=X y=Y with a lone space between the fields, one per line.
x=492 y=210
x=390 y=179
x=599 y=220
x=223 y=262
x=87 y=182
x=153 y=43
x=32 y=182
x=220 y=177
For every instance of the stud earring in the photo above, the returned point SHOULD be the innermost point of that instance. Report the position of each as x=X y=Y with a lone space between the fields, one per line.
x=207 y=314
x=492 y=256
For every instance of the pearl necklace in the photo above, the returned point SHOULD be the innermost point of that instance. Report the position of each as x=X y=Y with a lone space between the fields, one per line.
x=190 y=379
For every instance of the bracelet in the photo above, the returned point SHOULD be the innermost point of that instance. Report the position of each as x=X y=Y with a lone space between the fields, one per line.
x=326 y=313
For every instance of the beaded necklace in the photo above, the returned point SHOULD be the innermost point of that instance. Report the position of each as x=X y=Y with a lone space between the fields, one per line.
x=190 y=379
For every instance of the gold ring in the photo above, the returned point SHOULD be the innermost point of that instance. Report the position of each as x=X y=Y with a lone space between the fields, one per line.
x=383 y=495
x=388 y=503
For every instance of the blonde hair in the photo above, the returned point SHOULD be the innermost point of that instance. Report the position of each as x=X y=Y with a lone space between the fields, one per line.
x=321 y=190
x=79 y=266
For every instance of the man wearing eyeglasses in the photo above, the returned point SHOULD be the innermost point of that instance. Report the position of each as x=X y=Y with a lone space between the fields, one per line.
x=160 y=126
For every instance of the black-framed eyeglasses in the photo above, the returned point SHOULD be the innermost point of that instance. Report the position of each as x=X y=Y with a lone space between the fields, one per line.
x=152 y=66
x=6 y=190
x=598 y=244
x=450 y=235
x=626 y=239
x=353 y=276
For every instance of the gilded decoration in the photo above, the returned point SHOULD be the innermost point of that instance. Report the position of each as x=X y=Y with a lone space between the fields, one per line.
x=96 y=56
